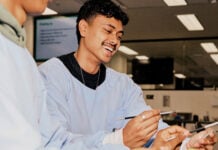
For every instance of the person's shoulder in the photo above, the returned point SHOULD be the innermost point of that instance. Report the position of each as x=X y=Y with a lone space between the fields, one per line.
x=120 y=79
x=49 y=63
x=7 y=43
x=51 y=66
x=115 y=75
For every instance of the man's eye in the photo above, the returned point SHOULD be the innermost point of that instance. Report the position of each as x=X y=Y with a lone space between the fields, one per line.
x=119 y=38
x=108 y=31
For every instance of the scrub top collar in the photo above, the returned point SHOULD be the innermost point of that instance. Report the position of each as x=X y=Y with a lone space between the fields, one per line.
x=10 y=27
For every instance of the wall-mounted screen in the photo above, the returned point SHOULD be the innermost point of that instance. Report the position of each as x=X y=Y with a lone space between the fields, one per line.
x=54 y=35
x=190 y=83
x=155 y=71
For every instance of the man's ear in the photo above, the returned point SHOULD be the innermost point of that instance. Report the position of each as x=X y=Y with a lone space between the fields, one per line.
x=83 y=25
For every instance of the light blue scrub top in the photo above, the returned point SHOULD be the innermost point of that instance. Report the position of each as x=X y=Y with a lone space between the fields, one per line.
x=86 y=115
x=22 y=91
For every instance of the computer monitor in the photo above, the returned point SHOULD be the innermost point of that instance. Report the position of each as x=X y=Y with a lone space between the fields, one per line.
x=156 y=71
x=54 y=35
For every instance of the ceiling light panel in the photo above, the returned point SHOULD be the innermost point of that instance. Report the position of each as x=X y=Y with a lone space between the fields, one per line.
x=180 y=76
x=215 y=58
x=191 y=22
x=175 y=2
x=142 y=57
x=209 y=47
x=127 y=50
x=49 y=11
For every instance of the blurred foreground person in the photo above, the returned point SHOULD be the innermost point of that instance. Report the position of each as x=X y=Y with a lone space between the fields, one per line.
x=22 y=94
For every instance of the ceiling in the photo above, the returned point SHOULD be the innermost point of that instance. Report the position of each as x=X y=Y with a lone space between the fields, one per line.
x=155 y=31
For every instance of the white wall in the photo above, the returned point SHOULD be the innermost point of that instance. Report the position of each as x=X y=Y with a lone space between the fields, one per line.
x=196 y=102
x=119 y=63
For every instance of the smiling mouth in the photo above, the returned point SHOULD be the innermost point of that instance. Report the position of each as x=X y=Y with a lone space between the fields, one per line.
x=109 y=48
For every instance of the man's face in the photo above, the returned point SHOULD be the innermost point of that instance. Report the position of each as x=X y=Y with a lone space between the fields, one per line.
x=34 y=7
x=102 y=38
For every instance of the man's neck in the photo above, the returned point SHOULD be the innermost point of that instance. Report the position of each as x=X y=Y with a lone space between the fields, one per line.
x=86 y=64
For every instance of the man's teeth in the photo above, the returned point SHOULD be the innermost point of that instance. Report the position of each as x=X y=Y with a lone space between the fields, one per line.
x=110 y=49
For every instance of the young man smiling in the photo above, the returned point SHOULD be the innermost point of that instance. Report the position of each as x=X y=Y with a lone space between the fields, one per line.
x=87 y=98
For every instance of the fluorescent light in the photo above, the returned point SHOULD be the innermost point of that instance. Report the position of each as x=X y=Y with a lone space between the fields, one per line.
x=142 y=57
x=161 y=85
x=191 y=22
x=215 y=58
x=180 y=76
x=175 y=2
x=130 y=75
x=127 y=50
x=213 y=1
x=209 y=47
x=49 y=11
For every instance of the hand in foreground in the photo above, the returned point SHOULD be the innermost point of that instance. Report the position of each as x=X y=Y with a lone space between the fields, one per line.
x=169 y=138
x=203 y=140
x=141 y=128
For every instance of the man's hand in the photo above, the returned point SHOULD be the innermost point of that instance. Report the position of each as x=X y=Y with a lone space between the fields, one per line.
x=169 y=138
x=141 y=128
x=204 y=140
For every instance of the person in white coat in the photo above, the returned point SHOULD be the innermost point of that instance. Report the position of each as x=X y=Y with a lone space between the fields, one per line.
x=22 y=91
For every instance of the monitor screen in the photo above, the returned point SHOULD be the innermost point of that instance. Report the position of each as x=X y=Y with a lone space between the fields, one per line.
x=155 y=71
x=54 y=35
x=190 y=83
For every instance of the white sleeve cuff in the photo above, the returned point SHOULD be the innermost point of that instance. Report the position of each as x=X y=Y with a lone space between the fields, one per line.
x=184 y=142
x=114 y=137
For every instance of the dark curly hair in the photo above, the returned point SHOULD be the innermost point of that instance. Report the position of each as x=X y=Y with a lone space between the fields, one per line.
x=107 y=8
